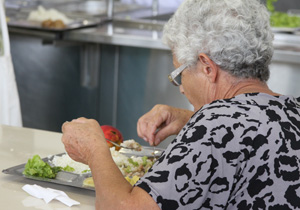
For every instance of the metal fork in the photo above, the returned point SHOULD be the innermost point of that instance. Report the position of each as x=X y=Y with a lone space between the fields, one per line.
x=117 y=145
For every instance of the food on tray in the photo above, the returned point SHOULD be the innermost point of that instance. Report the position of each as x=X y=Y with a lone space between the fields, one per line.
x=112 y=134
x=68 y=169
x=132 y=180
x=132 y=167
x=65 y=161
x=50 y=18
x=56 y=24
x=129 y=166
x=37 y=167
x=89 y=182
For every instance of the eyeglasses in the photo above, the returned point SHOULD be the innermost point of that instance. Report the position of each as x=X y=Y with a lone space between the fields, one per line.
x=175 y=76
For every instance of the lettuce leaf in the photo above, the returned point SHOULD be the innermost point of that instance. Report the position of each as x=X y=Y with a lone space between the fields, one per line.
x=37 y=167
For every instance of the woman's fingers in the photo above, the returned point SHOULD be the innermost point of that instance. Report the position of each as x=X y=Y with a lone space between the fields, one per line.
x=151 y=122
x=81 y=136
x=146 y=130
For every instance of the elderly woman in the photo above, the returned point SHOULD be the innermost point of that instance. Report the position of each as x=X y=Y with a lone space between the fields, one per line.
x=239 y=149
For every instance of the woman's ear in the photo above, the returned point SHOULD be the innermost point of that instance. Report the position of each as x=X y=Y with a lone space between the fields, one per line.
x=209 y=68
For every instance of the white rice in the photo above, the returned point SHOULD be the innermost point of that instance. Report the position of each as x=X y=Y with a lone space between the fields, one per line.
x=65 y=160
x=131 y=143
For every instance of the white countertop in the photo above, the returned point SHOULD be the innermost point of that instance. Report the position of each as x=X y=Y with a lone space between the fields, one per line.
x=16 y=146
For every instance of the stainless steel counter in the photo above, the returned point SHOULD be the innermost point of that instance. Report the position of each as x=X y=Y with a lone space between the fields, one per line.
x=287 y=46
x=146 y=34
x=123 y=33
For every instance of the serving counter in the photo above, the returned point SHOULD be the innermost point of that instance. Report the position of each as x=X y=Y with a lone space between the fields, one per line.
x=16 y=146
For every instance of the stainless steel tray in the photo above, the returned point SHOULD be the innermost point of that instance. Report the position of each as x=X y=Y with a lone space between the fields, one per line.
x=88 y=13
x=62 y=178
x=19 y=19
x=76 y=180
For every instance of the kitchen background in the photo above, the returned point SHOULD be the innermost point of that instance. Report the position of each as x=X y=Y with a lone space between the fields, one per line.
x=115 y=72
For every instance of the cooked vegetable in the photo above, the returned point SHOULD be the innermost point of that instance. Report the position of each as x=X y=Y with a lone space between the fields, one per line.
x=144 y=159
x=132 y=180
x=85 y=171
x=89 y=182
x=68 y=168
x=37 y=167
x=136 y=164
x=128 y=170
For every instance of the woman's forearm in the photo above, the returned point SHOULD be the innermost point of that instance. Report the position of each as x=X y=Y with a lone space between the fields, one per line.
x=112 y=189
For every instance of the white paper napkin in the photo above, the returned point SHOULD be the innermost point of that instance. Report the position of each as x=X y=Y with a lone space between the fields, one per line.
x=48 y=194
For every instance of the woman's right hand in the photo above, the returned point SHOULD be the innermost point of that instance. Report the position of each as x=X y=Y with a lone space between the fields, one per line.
x=160 y=122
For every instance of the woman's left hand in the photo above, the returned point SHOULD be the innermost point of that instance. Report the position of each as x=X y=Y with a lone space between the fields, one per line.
x=82 y=137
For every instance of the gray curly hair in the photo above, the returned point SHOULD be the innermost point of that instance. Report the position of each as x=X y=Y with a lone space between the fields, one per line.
x=235 y=34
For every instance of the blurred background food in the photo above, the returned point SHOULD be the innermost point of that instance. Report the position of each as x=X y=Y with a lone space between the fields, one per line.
x=41 y=14
x=57 y=24
x=283 y=19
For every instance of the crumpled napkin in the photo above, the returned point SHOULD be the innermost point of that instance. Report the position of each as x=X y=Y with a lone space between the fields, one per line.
x=48 y=194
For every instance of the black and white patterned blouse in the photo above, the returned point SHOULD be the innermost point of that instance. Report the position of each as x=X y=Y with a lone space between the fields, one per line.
x=239 y=153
